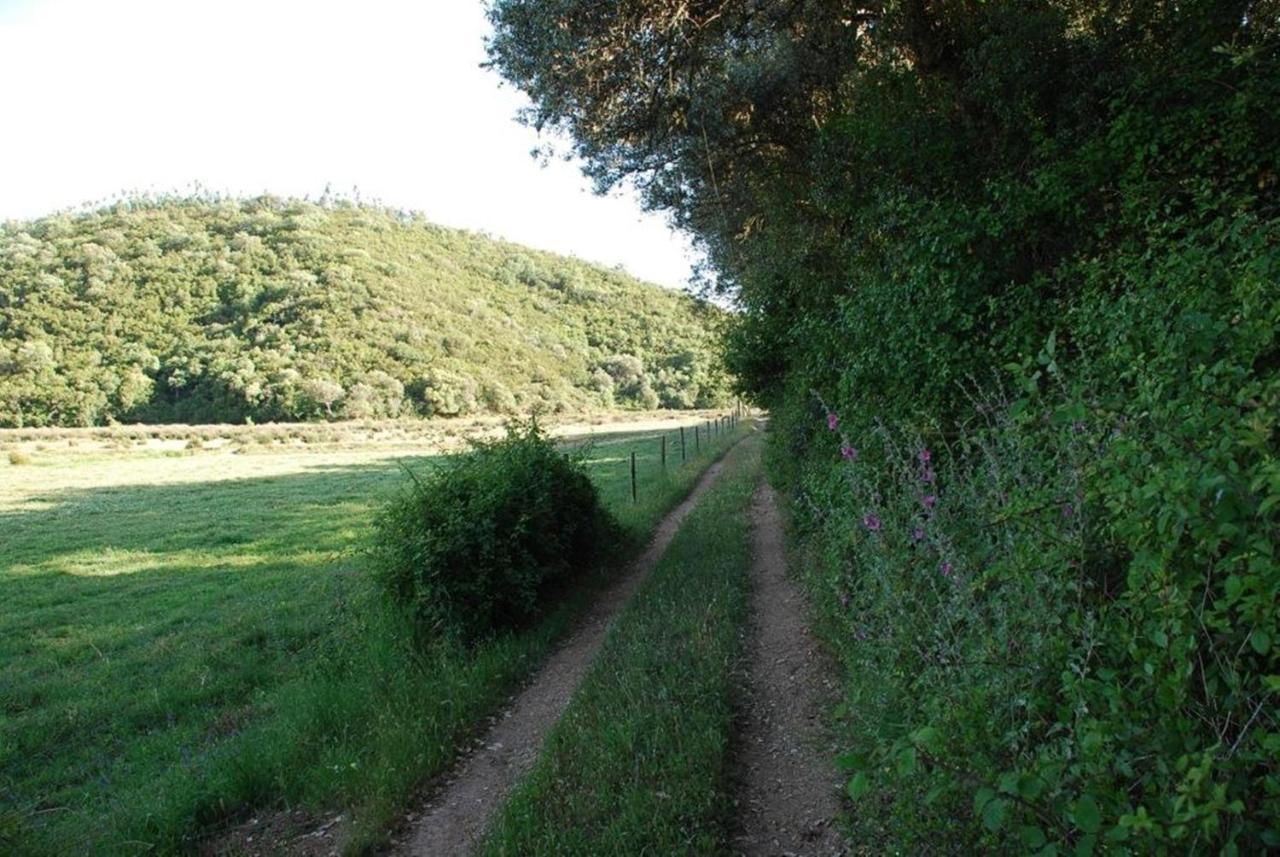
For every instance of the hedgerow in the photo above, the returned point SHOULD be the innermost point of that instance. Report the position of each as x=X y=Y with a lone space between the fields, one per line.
x=1041 y=240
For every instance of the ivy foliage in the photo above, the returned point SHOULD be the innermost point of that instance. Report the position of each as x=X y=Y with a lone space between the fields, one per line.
x=214 y=310
x=1040 y=240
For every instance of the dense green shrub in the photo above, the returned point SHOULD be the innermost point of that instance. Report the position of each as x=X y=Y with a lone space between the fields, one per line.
x=473 y=548
x=1018 y=674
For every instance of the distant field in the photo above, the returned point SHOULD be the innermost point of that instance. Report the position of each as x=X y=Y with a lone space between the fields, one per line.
x=158 y=609
x=409 y=435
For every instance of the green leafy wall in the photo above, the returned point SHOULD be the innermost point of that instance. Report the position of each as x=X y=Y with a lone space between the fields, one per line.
x=1010 y=281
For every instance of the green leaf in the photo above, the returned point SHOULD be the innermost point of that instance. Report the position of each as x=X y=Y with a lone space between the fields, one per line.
x=927 y=737
x=993 y=814
x=1087 y=815
x=907 y=762
x=1032 y=837
x=859 y=785
x=1261 y=641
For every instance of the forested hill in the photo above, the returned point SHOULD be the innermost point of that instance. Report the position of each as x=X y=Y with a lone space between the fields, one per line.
x=267 y=309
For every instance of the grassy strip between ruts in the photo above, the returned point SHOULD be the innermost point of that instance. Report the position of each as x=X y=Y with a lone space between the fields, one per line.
x=360 y=721
x=637 y=765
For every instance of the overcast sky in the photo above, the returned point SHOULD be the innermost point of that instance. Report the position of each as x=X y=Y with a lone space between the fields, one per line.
x=287 y=96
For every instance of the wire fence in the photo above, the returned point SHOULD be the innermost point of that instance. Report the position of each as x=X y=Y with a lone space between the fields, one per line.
x=679 y=446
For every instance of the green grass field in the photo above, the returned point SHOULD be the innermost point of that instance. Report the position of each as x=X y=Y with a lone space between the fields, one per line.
x=177 y=649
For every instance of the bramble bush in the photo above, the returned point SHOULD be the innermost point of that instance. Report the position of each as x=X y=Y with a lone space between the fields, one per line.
x=472 y=549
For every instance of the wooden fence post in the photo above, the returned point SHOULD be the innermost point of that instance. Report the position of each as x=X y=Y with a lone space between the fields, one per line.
x=664 y=451
x=633 y=476
x=682 y=444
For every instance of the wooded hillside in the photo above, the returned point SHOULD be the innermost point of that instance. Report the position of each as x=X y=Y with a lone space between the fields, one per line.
x=189 y=310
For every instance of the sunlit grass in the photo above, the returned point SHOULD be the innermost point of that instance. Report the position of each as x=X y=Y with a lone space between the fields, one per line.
x=174 y=651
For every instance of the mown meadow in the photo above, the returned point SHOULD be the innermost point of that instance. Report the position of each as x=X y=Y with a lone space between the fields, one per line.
x=177 y=654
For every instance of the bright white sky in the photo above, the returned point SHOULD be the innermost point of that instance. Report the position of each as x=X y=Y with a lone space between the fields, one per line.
x=286 y=96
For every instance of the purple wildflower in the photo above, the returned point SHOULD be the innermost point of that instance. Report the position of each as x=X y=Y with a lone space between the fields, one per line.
x=848 y=453
x=929 y=501
x=1078 y=426
x=832 y=420
x=927 y=476
x=917 y=535
x=925 y=456
x=1068 y=511
x=872 y=522
x=948 y=569
x=859 y=634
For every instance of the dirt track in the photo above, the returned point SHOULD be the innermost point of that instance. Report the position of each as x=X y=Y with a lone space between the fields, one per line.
x=786 y=787
x=457 y=816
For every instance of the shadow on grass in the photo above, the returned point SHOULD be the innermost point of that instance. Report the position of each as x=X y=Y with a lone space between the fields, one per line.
x=146 y=626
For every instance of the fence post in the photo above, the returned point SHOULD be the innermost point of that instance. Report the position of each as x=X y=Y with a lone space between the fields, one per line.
x=664 y=451
x=697 y=442
x=633 y=476
x=682 y=444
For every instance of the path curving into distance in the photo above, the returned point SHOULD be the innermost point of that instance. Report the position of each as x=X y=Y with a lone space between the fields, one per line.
x=455 y=819
x=786 y=787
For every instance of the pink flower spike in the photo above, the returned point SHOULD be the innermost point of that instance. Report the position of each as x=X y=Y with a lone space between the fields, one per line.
x=948 y=569
x=917 y=534
x=872 y=522
x=848 y=453
x=925 y=456
x=928 y=476
x=929 y=501
x=832 y=420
